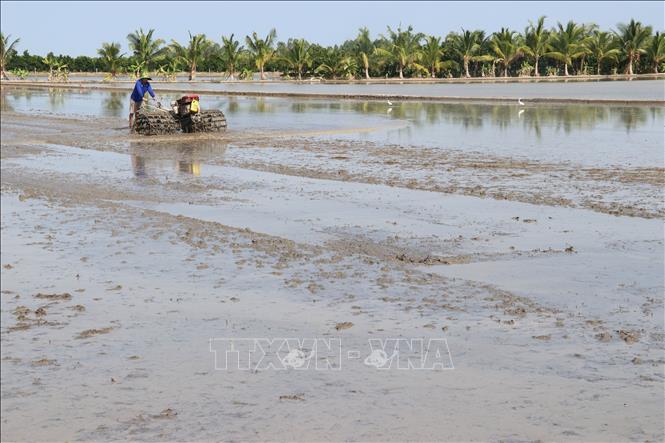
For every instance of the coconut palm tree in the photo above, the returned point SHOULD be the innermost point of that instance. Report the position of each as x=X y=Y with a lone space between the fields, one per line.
x=365 y=48
x=147 y=50
x=335 y=64
x=486 y=54
x=656 y=51
x=110 y=54
x=589 y=30
x=193 y=54
x=7 y=51
x=602 y=46
x=467 y=46
x=231 y=53
x=567 y=44
x=507 y=48
x=535 y=42
x=633 y=38
x=432 y=52
x=403 y=48
x=297 y=55
x=261 y=49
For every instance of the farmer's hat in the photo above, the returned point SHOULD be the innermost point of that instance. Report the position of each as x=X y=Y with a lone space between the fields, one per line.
x=145 y=78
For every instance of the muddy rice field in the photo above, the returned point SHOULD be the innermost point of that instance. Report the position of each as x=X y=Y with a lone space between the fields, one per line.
x=530 y=238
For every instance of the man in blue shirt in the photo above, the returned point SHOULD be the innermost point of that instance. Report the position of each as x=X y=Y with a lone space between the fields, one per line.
x=141 y=86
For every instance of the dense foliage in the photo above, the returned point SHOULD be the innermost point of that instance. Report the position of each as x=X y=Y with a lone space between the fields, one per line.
x=565 y=49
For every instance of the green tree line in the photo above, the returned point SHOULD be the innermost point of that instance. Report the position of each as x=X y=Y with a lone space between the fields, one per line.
x=565 y=49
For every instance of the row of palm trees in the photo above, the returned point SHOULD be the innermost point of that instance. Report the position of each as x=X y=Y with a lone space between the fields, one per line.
x=400 y=52
x=564 y=44
x=149 y=51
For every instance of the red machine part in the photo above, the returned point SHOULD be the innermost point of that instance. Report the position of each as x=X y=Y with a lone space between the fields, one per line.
x=186 y=99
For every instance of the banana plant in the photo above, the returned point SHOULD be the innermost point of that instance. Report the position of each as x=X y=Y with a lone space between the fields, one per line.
x=63 y=73
x=57 y=70
x=246 y=74
x=169 y=72
x=21 y=74
x=50 y=62
x=137 y=69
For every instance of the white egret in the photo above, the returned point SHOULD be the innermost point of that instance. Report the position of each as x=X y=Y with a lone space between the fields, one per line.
x=520 y=102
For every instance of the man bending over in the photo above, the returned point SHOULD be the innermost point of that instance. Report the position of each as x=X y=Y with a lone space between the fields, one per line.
x=141 y=86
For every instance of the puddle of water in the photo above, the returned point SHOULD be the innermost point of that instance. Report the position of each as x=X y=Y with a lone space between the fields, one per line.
x=594 y=281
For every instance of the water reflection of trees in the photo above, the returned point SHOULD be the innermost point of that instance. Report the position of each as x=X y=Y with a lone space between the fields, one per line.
x=471 y=116
x=8 y=96
x=298 y=107
x=632 y=118
x=261 y=105
x=233 y=105
x=565 y=118
x=114 y=103
x=5 y=104
x=56 y=98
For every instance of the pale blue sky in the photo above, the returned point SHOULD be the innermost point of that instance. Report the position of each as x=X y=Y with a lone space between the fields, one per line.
x=79 y=28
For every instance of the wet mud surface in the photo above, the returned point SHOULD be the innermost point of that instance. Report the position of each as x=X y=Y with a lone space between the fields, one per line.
x=122 y=256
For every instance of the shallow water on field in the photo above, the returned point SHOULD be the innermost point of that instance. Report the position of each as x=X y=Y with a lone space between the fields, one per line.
x=163 y=311
x=613 y=259
x=582 y=134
